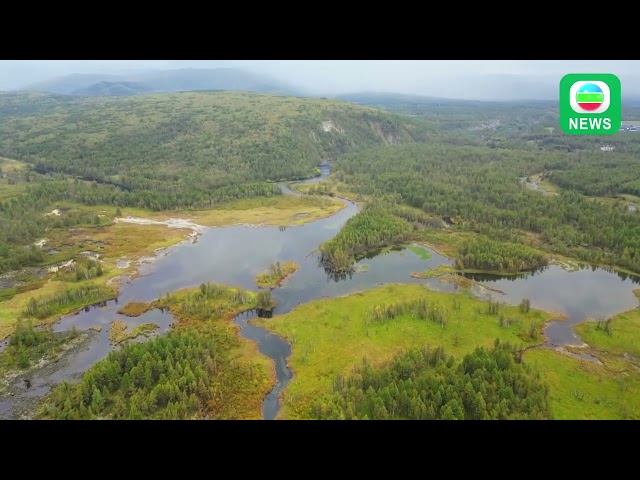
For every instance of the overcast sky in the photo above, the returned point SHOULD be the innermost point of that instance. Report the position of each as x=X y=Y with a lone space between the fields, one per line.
x=427 y=77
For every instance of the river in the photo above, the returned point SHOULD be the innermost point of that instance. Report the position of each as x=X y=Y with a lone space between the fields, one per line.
x=235 y=255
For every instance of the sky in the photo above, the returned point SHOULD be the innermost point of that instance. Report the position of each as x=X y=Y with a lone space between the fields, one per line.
x=479 y=79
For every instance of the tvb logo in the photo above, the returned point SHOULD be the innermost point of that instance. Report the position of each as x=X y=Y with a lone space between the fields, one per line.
x=590 y=104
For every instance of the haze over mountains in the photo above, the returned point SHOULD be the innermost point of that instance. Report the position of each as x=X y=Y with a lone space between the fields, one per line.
x=163 y=81
x=469 y=80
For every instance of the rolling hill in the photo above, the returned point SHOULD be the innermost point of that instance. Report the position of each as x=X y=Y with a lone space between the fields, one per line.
x=195 y=141
x=164 y=81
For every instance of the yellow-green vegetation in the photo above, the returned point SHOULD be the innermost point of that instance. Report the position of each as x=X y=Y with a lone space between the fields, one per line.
x=606 y=389
x=619 y=335
x=202 y=369
x=330 y=187
x=66 y=301
x=8 y=165
x=134 y=309
x=28 y=345
x=276 y=274
x=48 y=303
x=586 y=390
x=9 y=190
x=434 y=272
x=118 y=331
x=282 y=210
x=549 y=187
x=211 y=301
x=421 y=252
x=636 y=292
x=117 y=241
x=329 y=337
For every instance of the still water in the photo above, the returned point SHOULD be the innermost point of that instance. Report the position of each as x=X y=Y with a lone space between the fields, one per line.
x=235 y=255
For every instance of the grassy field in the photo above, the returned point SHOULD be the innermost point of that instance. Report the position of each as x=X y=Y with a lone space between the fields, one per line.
x=283 y=210
x=624 y=338
x=330 y=336
x=586 y=390
x=276 y=274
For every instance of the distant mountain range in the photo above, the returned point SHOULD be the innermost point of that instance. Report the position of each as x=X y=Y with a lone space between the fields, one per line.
x=464 y=87
x=163 y=81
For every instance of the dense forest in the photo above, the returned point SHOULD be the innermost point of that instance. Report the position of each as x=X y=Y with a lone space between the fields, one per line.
x=172 y=144
x=482 y=253
x=482 y=187
x=607 y=177
x=425 y=384
x=193 y=372
x=372 y=228
x=183 y=375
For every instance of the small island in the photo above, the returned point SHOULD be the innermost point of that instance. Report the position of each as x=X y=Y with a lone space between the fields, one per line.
x=434 y=272
x=636 y=292
x=118 y=332
x=134 y=309
x=276 y=274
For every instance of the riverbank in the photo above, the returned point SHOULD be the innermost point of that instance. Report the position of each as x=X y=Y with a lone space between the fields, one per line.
x=138 y=236
x=279 y=211
x=330 y=336
x=206 y=370
x=581 y=388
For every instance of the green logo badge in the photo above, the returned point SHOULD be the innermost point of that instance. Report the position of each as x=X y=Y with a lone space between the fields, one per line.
x=590 y=104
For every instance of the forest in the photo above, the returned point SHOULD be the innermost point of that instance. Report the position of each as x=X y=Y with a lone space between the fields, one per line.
x=607 y=177
x=373 y=228
x=186 y=374
x=67 y=300
x=426 y=384
x=173 y=144
x=482 y=186
x=196 y=371
x=28 y=345
x=483 y=253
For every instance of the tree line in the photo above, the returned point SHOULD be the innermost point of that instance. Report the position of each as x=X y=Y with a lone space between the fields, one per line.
x=483 y=253
x=186 y=374
x=373 y=228
x=481 y=186
x=193 y=372
x=426 y=384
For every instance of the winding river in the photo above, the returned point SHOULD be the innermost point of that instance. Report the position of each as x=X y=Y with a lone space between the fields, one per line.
x=235 y=255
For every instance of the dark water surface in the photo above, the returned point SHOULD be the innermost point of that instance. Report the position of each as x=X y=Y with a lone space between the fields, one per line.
x=235 y=255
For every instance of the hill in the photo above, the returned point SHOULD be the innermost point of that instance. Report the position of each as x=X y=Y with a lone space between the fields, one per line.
x=106 y=89
x=166 y=81
x=183 y=143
